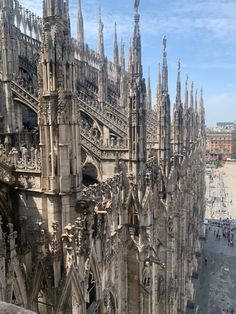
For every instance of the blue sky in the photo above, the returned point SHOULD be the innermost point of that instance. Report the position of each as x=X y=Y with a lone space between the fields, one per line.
x=200 y=32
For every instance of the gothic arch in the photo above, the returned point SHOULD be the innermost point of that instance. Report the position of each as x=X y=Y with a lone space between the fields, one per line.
x=71 y=297
x=26 y=104
x=94 y=296
x=94 y=164
x=109 y=302
x=95 y=122
x=19 y=294
x=40 y=298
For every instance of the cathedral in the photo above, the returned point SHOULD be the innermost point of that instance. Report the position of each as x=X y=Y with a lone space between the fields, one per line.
x=101 y=193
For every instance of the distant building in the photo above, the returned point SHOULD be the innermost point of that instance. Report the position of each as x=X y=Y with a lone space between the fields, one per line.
x=225 y=124
x=221 y=140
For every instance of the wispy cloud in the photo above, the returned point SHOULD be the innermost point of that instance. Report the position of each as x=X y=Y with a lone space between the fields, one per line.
x=215 y=19
x=201 y=32
x=33 y=6
x=220 y=66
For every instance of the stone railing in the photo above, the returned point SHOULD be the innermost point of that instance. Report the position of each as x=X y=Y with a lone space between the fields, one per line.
x=102 y=151
x=21 y=160
x=95 y=109
x=103 y=191
x=110 y=105
x=27 y=65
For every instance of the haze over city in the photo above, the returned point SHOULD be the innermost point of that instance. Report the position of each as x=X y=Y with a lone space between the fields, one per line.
x=201 y=33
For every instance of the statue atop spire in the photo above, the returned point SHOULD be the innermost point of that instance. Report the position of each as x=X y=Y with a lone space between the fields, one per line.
x=136 y=55
x=196 y=100
x=178 y=116
x=164 y=42
x=100 y=39
x=130 y=58
x=122 y=54
x=178 y=90
x=164 y=67
x=136 y=5
x=116 y=49
x=149 y=92
x=159 y=87
x=191 y=95
x=201 y=99
x=80 y=31
x=186 y=94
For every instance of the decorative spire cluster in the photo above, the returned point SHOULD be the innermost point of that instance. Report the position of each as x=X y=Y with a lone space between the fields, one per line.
x=185 y=119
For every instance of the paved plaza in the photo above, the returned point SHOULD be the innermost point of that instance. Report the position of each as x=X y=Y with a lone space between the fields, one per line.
x=217 y=290
x=221 y=192
x=217 y=283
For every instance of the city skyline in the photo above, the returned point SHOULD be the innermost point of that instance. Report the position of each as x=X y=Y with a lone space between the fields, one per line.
x=200 y=33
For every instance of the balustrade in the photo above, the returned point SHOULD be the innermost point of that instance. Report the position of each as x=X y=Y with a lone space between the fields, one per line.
x=22 y=159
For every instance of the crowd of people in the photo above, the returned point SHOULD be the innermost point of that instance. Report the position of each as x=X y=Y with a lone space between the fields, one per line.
x=223 y=229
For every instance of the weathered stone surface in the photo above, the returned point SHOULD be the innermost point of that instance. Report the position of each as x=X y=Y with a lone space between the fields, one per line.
x=7 y=308
x=101 y=198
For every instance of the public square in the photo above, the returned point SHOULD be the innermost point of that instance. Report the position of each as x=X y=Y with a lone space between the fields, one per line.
x=217 y=278
x=221 y=192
